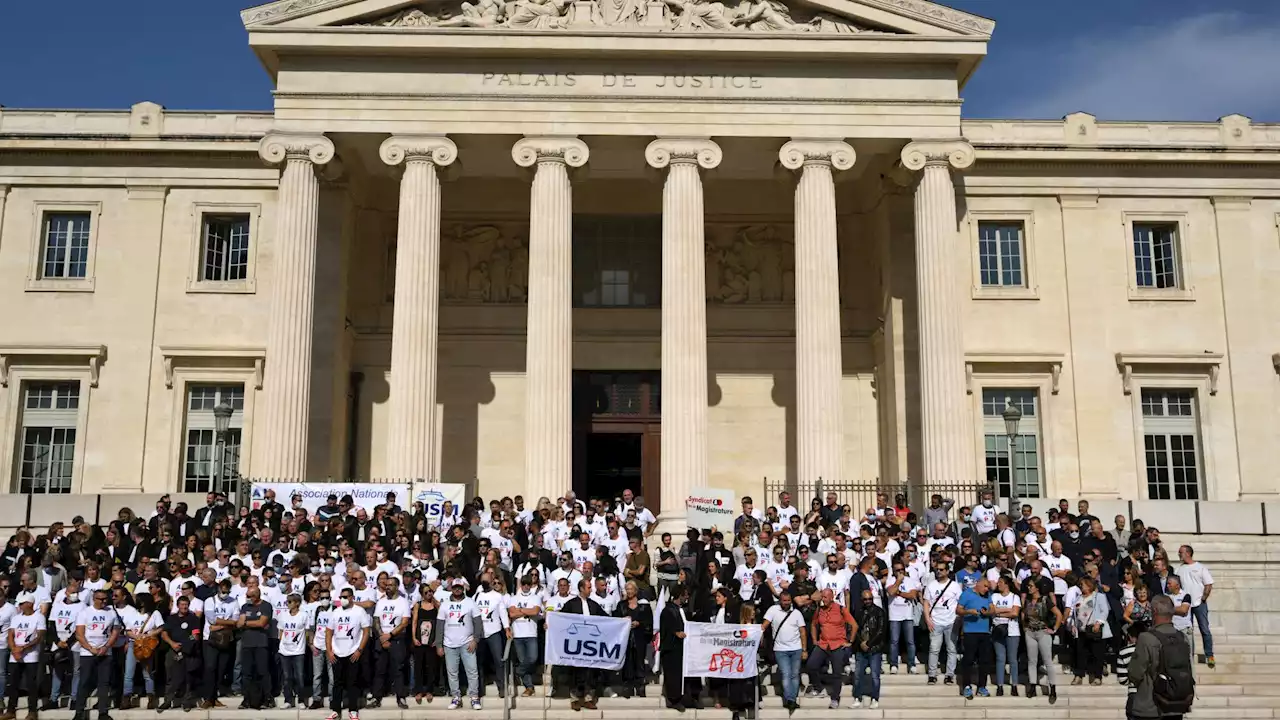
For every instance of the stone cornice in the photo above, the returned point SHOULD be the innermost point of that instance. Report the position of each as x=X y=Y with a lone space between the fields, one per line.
x=438 y=150
x=550 y=148
x=798 y=152
x=941 y=14
x=278 y=147
x=956 y=154
x=670 y=151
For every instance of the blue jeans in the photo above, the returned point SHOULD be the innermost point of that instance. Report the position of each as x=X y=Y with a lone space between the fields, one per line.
x=4 y=671
x=863 y=662
x=56 y=690
x=939 y=635
x=453 y=656
x=527 y=653
x=131 y=667
x=1200 y=614
x=899 y=629
x=789 y=668
x=1008 y=651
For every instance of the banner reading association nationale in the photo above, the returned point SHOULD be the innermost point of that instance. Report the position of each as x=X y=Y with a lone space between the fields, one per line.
x=590 y=641
x=721 y=651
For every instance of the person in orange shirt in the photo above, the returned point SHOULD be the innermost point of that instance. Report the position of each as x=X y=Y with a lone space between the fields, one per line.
x=832 y=629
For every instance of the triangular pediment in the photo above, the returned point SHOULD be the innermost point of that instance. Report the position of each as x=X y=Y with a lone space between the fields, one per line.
x=840 y=17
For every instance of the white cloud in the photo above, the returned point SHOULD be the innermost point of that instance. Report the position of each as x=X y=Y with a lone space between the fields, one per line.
x=1192 y=68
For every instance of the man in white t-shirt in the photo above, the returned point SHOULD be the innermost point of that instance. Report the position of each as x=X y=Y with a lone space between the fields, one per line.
x=904 y=595
x=25 y=637
x=390 y=646
x=457 y=631
x=835 y=579
x=1058 y=565
x=97 y=629
x=941 y=596
x=984 y=517
x=1197 y=581
x=1181 y=610
x=347 y=638
x=525 y=610
x=785 y=625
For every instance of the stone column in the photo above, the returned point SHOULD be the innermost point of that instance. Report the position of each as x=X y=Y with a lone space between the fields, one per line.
x=684 y=319
x=819 y=412
x=946 y=418
x=548 y=435
x=411 y=429
x=281 y=440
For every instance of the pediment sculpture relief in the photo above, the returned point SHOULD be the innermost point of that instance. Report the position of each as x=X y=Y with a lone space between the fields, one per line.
x=750 y=264
x=770 y=16
x=484 y=263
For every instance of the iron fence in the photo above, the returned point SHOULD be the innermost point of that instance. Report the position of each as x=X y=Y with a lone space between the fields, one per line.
x=861 y=496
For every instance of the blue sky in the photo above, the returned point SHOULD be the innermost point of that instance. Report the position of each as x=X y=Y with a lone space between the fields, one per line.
x=1118 y=59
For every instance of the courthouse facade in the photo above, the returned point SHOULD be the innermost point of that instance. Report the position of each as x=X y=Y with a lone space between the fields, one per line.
x=542 y=244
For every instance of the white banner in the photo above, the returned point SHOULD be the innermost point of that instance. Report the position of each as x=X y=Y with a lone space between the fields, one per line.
x=720 y=651
x=433 y=496
x=710 y=508
x=314 y=495
x=590 y=641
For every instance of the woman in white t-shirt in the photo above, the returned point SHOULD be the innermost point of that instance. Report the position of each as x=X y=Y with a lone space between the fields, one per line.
x=904 y=594
x=1006 y=607
x=292 y=626
x=140 y=620
x=318 y=607
x=491 y=602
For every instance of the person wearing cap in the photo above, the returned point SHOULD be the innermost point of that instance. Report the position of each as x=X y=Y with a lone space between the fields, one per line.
x=64 y=663
x=97 y=629
x=25 y=639
x=457 y=630
x=292 y=626
x=390 y=649
x=346 y=640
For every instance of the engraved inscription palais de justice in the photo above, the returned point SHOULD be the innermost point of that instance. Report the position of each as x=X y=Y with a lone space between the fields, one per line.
x=622 y=80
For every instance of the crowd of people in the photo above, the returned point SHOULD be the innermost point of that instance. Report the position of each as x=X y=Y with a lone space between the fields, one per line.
x=348 y=607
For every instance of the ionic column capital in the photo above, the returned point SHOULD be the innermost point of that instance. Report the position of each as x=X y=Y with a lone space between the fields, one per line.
x=664 y=152
x=797 y=153
x=278 y=147
x=438 y=150
x=567 y=150
x=956 y=154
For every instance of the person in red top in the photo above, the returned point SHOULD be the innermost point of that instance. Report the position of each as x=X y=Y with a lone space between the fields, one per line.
x=832 y=629
x=900 y=505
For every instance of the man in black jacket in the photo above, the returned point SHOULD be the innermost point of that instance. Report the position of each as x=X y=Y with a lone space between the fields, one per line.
x=586 y=681
x=215 y=507
x=868 y=648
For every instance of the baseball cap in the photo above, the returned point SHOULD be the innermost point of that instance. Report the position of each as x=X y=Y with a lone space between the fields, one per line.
x=458 y=582
x=26 y=597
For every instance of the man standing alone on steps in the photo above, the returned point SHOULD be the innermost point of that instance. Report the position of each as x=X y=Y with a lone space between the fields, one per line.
x=1198 y=583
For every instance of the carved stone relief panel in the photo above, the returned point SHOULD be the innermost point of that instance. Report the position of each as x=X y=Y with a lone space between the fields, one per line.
x=484 y=262
x=750 y=263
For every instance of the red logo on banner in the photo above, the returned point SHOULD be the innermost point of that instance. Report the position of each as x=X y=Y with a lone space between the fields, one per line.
x=727 y=661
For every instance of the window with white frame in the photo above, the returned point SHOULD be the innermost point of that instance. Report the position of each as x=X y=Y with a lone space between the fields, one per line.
x=1024 y=467
x=1170 y=439
x=50 y=413
x=64 y=251
x=224 y=247
x=200 y=457
x=1155 y=255
x=1000 y=253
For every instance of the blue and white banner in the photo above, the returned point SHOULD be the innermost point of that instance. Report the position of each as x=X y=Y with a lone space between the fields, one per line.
x=433 y=497
x=314 y=495
x=590 y=641
x=721 y=651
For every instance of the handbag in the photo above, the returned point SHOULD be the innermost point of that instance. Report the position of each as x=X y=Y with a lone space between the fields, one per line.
x=144 y=647
x=1000 y=633
x=221 y=638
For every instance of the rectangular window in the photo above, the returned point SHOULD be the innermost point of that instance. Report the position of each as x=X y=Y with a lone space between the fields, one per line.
x=1170 y=430
x=617 y=261
x=1025 y=465
x=65 y=251
x=1000 y=252
x=224 y=249
x=1155 y=255
x=202 y=451
x=50 y=413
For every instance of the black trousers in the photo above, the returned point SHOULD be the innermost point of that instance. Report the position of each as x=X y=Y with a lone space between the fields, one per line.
x=24 y=677
x=255 y=675
x=95 y=670
x=426 y=670
x=183 y=676
x=346 y=684
x=675 y=688
x=387 y=675
x=977 y=659
x=217 y=661
x=1088 y=659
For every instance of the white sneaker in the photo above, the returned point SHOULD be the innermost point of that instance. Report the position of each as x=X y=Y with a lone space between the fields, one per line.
x=875 y=705
x=613 y=693
x=475 y=703
x=333 y=716
x=893 y=669
x=857 y=704
x=454 y=704
x=354 y=715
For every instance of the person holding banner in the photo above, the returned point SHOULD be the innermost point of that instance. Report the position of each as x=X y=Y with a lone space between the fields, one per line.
x=680 y=692
x=586 y=681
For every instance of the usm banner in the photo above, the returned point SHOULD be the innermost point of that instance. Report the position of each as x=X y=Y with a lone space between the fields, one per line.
x=314 y=495
x=720 y=651
x=590 y=641
x=433 y=496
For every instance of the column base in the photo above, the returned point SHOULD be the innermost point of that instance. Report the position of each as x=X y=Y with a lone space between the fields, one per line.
x=675 y=524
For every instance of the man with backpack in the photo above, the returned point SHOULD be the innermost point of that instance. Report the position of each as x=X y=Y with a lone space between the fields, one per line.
x=1161 y=668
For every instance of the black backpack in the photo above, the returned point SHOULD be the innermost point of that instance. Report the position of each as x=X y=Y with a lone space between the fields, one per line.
x=1173 y=688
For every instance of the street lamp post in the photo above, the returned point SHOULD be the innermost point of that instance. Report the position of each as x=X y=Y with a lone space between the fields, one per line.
x=221 y=423
x=1011 y=416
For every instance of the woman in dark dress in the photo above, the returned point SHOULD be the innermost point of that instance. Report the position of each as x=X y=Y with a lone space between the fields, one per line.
x=641 y=614
x=425 y=661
